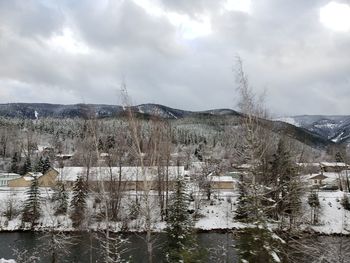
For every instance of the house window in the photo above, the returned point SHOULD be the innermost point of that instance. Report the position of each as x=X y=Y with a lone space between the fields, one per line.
x=315 y=181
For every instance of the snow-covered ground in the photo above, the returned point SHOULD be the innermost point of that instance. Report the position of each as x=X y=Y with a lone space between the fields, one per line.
x=333 y=219
x=289 y=120
x=215 y=214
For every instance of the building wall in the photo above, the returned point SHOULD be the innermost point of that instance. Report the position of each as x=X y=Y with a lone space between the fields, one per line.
x=20 y=182
x=125 y=185
x=6 y=177
x=48 y=179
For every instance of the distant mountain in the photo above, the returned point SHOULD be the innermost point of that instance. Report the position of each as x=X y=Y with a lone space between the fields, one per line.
x=334 y=128
x=44 y=110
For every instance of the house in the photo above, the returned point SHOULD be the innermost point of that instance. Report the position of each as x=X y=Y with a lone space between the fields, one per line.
x=132 y=178
x=6 y=177
x=317 y=180
x=44 y=180
x=333 y=166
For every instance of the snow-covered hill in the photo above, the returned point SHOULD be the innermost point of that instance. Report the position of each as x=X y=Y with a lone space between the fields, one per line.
x=335 y=128
x=43 y=110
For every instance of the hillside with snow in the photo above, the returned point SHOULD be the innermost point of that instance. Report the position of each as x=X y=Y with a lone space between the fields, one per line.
x=334 y=128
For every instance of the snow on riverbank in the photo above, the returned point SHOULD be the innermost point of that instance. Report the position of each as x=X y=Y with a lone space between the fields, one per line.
x=7 y=260
x=216 y=214
x=334 y=219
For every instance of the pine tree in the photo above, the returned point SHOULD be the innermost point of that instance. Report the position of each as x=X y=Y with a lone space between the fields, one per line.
x=78 y=203
x=39 y=165
x=27 y=166
x=242 y=206
x=182 y=245
x=32 y=210
x=60 y=197
x=14 y=163
x=286 y=189
x=46 y=165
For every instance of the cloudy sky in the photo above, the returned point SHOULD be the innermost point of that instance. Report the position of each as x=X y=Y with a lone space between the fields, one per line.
x=177 y=53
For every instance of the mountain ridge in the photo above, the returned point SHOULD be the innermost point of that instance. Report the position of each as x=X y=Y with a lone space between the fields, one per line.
x=34 y=110
x=333 y=127
x=303 y=133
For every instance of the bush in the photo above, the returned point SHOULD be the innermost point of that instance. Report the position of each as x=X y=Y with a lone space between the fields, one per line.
x=345 y=202
x=134 y=210
x=11 y=210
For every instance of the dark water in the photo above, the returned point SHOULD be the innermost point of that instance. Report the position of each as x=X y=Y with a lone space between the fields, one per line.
x=86 y=247
x=219 y=247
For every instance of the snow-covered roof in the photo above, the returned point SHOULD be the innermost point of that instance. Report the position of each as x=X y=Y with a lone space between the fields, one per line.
x=333 y=164
x=223 y=179
x=309 y=164
x=9 y=175
x=129 y=173
x=28 y=178
x=245 y=166
x=318 y=177
x=34 y=174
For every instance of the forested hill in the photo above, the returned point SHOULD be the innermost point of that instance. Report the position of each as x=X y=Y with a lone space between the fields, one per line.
x=43 y=110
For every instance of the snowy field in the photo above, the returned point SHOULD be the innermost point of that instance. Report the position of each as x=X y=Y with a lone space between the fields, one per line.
x=334 y=219
x=216 y=214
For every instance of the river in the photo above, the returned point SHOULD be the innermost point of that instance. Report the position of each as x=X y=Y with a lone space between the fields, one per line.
x=86 y=247
x=221 y=246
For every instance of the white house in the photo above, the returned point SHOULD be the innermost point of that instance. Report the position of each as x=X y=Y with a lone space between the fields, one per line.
x=132 y=177
x=6 y=177
x=318 y=179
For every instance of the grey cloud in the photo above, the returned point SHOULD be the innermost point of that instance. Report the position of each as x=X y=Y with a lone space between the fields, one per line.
x=285 y=49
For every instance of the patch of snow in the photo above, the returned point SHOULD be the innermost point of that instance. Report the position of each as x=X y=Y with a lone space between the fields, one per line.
x=289 y=120
x=223 y=179
x=36 y=114
x=274 y=236
x=337 y=139
x=275 y=256
x=171 y=114
x=140 y=110
x=326 y=125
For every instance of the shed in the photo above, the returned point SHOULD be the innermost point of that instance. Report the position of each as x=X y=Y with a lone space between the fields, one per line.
x=223 y=182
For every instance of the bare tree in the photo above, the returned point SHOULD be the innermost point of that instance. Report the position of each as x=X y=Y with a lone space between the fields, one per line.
x=145 y=148
x=254 y=142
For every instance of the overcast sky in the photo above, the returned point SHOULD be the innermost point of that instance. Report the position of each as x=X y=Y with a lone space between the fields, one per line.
x=177 y=53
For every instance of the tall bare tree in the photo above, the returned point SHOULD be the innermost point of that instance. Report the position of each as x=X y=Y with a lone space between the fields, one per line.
x=145 y=148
